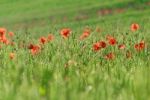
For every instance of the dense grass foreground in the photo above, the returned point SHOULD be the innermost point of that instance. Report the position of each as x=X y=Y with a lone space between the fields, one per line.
x=70 y=69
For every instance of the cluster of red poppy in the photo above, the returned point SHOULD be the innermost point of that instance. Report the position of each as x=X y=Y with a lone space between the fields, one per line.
x=112 y=41
x=66 y=32
x=36 y=48
x=140 y=46
x=102 y=44
x=3 y=36
x=6 y=39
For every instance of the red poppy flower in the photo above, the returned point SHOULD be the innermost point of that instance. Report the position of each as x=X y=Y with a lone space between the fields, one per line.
x=142 y=44
x=102 y=44
x=110 y=56
x=3 y=37
x=4 y=40
x=139 y=46
x=43 y=40
x=99 y=45
x=2 y=31
x=96 y=46
x=35 y=49
x=112 y=41
x=122 y=46
x=134 y=27
x=65 y=32
x=85 y=34
x=50 y=37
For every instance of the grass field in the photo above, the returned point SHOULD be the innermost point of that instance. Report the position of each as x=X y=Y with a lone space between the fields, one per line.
x=71 y=67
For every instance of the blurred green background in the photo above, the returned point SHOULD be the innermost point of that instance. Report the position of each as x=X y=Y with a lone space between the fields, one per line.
x=30 y=13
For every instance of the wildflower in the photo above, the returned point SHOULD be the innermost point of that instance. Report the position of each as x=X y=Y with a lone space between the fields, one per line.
x=2 y=31
x=96 y=46
x=142 y=44
x=34 y=49
x=102 y=44
x=4 y=40
x=43 y=40
x=65 y=32
x=112 y=41
x=110 y=56
x=85 y=34
x=134 y=27
x=99 y=45
x=122 y=46
x=139 y=46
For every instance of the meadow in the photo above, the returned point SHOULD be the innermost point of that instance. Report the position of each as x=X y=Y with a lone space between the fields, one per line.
x=74 y=50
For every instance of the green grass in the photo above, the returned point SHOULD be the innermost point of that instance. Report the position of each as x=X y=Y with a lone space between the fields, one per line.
x=88 y=75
